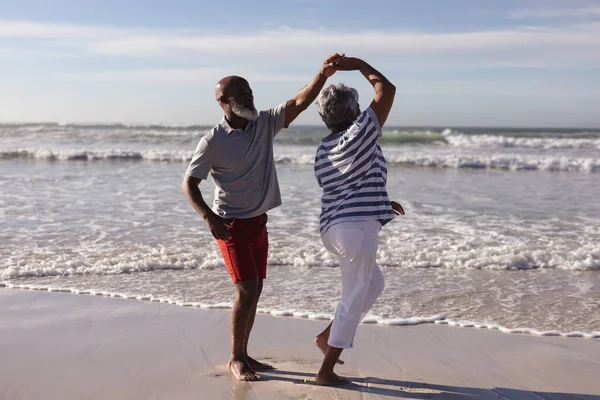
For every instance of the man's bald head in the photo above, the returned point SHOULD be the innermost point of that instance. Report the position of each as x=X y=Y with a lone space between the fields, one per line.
x=230 y=86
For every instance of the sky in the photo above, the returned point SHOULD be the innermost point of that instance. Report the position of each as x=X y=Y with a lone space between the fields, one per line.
x=454 y=62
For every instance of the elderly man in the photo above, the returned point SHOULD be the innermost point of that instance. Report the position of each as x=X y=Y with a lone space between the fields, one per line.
x=350 y=168
x=238 y=153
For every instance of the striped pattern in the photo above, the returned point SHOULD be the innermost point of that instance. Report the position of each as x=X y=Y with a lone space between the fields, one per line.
x=350 y=168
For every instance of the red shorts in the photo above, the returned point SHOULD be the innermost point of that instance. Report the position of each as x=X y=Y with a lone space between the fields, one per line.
x=245 y=254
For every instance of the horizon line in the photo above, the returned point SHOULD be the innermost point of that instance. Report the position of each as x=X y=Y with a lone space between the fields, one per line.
x=191 y=125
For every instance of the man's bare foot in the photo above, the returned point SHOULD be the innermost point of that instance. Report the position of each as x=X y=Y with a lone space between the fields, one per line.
x=330 y=379
x=257 y=365
x=242 y=371
x=322 y=345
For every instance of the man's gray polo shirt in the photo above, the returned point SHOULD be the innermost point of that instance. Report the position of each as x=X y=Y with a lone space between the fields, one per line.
x=241 y=163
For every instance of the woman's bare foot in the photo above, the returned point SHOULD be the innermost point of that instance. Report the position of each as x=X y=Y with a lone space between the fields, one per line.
x=322 y=345
x=258 y=366
x=330 y=379
x=242 y=371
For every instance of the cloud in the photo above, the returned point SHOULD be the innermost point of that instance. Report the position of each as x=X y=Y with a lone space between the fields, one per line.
x=177 y=76
x=274 y=43
x=529 y=89
x=40 y=30
x=514 y=89
x=584 y=12
x=572 y=46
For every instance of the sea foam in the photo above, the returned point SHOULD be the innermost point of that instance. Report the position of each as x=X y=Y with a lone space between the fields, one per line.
x=416 y=320
x=422 y=158
x=459 y=139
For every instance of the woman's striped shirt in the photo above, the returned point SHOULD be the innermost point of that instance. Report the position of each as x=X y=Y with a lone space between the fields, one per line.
x=350 y=168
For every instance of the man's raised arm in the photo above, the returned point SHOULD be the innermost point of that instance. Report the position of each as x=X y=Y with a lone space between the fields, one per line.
x=307 y=95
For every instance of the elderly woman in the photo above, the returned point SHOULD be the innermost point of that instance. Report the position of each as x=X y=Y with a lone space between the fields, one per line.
x=350 y=168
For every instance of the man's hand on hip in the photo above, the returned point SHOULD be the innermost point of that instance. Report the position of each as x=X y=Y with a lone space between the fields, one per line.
x=218 y=227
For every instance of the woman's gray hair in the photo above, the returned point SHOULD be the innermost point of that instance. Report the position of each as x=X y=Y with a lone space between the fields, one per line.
x=333 y=105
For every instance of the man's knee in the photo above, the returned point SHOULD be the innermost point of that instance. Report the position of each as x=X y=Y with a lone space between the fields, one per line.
x=248 y=291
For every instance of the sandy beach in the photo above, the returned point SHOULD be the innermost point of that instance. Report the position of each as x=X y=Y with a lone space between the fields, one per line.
x=430 y=168
x=64 y=346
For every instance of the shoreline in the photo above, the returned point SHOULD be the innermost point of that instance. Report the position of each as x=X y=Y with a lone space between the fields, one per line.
x=369 y=320
x=56 y=346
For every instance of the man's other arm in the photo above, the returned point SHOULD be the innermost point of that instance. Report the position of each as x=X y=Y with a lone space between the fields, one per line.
x=216 y=224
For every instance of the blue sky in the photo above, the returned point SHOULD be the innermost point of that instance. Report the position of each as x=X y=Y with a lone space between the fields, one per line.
x=455 y=62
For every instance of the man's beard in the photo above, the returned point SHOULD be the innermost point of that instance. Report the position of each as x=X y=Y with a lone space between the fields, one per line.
x=249 y=114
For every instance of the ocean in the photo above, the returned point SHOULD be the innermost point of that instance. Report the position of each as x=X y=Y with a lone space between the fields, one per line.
x=502 y=226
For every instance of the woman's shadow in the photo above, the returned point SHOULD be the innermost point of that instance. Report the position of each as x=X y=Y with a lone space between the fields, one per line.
x=413 y=390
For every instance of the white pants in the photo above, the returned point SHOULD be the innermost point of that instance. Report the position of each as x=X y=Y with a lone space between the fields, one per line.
x=355 y=244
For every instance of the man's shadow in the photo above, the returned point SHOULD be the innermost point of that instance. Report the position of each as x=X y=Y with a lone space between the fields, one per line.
x=415 y=390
